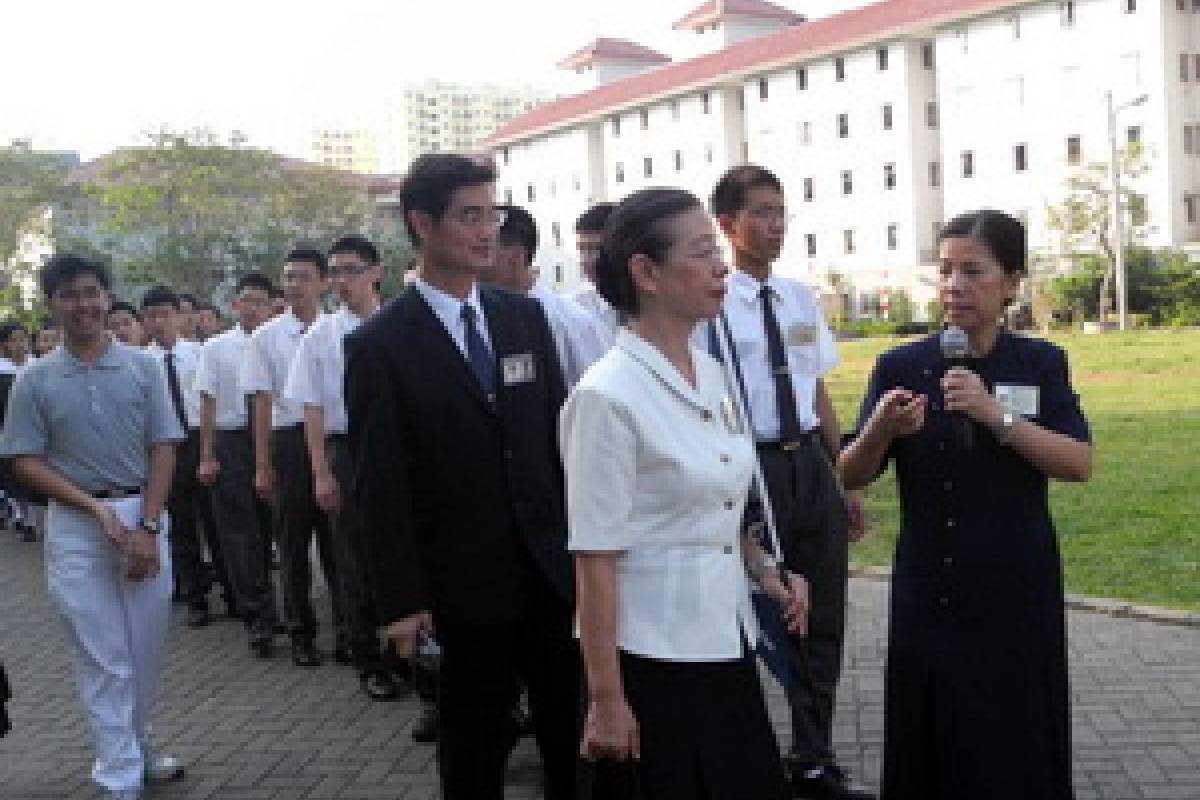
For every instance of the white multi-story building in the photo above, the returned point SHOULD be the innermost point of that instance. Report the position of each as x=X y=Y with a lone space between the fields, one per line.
x=351 y=149
x=882 y=122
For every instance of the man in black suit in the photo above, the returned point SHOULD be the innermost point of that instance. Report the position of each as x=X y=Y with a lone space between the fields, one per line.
x=453 y=393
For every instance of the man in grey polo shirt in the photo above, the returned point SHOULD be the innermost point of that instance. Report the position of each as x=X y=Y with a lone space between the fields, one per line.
x=90 y=425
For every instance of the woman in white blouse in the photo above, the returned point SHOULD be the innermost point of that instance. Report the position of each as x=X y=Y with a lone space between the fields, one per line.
x=658 y=466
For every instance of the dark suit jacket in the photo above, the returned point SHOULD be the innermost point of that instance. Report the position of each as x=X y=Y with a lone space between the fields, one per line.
x=462 y=500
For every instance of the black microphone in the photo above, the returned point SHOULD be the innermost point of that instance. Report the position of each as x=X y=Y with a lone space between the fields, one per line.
x=956 y=350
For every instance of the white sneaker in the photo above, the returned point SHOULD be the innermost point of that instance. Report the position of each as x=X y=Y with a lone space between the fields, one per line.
x=163 y=769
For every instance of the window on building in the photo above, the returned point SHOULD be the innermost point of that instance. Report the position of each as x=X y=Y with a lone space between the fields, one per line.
x=1130 y=6
x=679 y=161
x=508 y=197
x=504 y=156
x=530 y=193
x=648 y=167
x=1133 y=134
x=764 y=88
x=1191 y=207
x=887 y=116
x=810 y=244
x=892 y=237
x=575 y=183
x=927 y=55
x=847 y=182
x=1014 y=22
x=1189 y=145
x=968 y=164
x=889 y=176
x=1021 y=157
x=620 y=176
x=805 y=133
x=708 y=154
x=553 y=188
x=801 y=79
x=839 y=69
x=843 y=125
x=556 y=234
x=808 y=190
x=706 y=102
x=616 y=126
x=931 y=114
x=881 y=58
x=935 y=174
x=644 y=118
x=558 y=273
x=848 y=240
x=1066 y=13
x=1196 y=66
x=741 y=99
x=1184 y=62
x=745 y=152
x=1074 y=149
x=675 y=110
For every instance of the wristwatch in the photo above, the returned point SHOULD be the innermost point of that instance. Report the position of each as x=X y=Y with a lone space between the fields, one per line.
x=1007 y=426
x=150 y=526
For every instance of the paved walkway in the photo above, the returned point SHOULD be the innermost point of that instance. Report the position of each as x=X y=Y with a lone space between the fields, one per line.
x=265 y=730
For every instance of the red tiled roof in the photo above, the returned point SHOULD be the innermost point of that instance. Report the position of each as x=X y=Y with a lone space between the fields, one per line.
x=612 y=49
x=714 y=11
x=815 y=39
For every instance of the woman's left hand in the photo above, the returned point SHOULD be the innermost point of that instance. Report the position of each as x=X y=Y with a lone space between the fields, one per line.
x=965 y=391
x=791 y=592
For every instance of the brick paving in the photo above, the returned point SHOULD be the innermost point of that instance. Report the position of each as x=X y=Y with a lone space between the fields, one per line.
x=265 y=730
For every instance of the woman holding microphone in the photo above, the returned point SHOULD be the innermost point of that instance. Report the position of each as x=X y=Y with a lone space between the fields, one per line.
x=659 y=464
x=976 y=701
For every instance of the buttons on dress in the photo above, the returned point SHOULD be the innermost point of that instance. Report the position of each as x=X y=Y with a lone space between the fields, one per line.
x=950 y=523
x=728 y=505
x=724 y=458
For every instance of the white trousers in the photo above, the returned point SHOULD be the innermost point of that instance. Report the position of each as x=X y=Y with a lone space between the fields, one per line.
x=117 y=632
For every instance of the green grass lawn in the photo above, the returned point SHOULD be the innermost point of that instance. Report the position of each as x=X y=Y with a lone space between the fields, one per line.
x=1133 y=532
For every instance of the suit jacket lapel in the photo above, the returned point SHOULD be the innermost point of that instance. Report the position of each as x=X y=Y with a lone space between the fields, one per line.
x=433 y=334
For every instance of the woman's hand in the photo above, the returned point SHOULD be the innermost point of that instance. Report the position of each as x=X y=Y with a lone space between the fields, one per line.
x=791 y=592
x=899 y=412
x=965 y=391
x=610 y=731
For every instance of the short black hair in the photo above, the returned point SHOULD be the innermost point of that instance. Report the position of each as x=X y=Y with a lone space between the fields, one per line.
x=161 y=296
x=637 y=226
x=1002 y=234
x=275 y=291
x=67 y=267
x=190 y=299
x=433 y=178
x=209 y=307
x=254 y=280
x=519 y=228
x=356 y=244
x=595 y=218
x=8 y=329
x=729 y=195
x=308 y=255
x=120 y=305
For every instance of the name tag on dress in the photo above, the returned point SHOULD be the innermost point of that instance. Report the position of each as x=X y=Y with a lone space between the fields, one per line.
x=802 y=333
x=517 y=369
x=1023 y=400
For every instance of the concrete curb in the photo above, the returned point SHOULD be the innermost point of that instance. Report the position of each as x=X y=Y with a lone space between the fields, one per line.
x=1095 y=605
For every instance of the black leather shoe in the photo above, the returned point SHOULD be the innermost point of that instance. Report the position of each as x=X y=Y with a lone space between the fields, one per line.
x=342 y=654
x=379 y=686
x=824 y=783
x=262 y=644
x=198 y=617
x=304 y=654
x=427 y=726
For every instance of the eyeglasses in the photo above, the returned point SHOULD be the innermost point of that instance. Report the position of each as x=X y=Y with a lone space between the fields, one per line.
x=85 y=294
x=348 y=271
x=476 y=216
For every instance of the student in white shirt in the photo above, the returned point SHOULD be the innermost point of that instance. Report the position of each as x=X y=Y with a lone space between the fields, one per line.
x=316 y=381
x=226 y=463
x=589 y=234
x=281 y=463
x=659 y=465
x=579 y=336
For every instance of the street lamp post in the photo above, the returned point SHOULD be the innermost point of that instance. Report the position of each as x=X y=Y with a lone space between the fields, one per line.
x=1118 y=232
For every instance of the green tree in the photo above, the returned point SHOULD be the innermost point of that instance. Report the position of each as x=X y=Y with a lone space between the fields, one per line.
x=29 y=181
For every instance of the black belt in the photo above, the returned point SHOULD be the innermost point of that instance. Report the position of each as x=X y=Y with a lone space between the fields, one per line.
x=806 y=439
x=119 y=493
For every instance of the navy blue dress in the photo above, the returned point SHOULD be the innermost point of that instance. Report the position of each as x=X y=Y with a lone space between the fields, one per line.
x=977 y=702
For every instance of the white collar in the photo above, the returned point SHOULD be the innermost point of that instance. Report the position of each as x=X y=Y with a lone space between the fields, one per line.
x=653 y=359
x=447 y=306
x=749 y=288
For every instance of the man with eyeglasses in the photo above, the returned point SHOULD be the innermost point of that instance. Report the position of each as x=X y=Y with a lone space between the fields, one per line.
x=453 y=392
x=282 y=472
x=91 y=426
x=316 y=382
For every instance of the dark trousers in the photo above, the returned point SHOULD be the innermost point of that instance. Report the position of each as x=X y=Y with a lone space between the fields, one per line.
x=193 y=528
x=358 y=611
x=298 y=519
x=483 y=668
x=244 y=539
x=810 y=514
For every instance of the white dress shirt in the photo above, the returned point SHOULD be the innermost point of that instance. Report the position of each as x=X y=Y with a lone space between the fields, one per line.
x=609 y=321
x=7 y=367
x=659 y=472
x=579 y=336
x=187 y=360
x=319 y=367
x=811 y=351
x=448 y=309
x=218 y=376
x=268 y=360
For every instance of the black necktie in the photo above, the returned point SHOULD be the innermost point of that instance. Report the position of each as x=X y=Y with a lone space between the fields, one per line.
x=176 y=392
x=482 y=363
x=785 y=397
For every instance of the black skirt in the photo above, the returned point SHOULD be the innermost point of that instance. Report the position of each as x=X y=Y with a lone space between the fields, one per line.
x=704 y=732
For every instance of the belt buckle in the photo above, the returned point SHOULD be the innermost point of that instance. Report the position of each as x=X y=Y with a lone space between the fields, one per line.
x=790 y=447
x=119 y=494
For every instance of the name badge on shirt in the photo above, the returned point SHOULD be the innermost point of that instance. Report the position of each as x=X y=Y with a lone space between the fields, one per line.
x=517 y=369
x=802 y=333
x=729 y=414
x=1023 y=400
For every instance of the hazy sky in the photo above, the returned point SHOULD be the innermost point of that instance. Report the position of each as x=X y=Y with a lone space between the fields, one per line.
x=88 y=76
